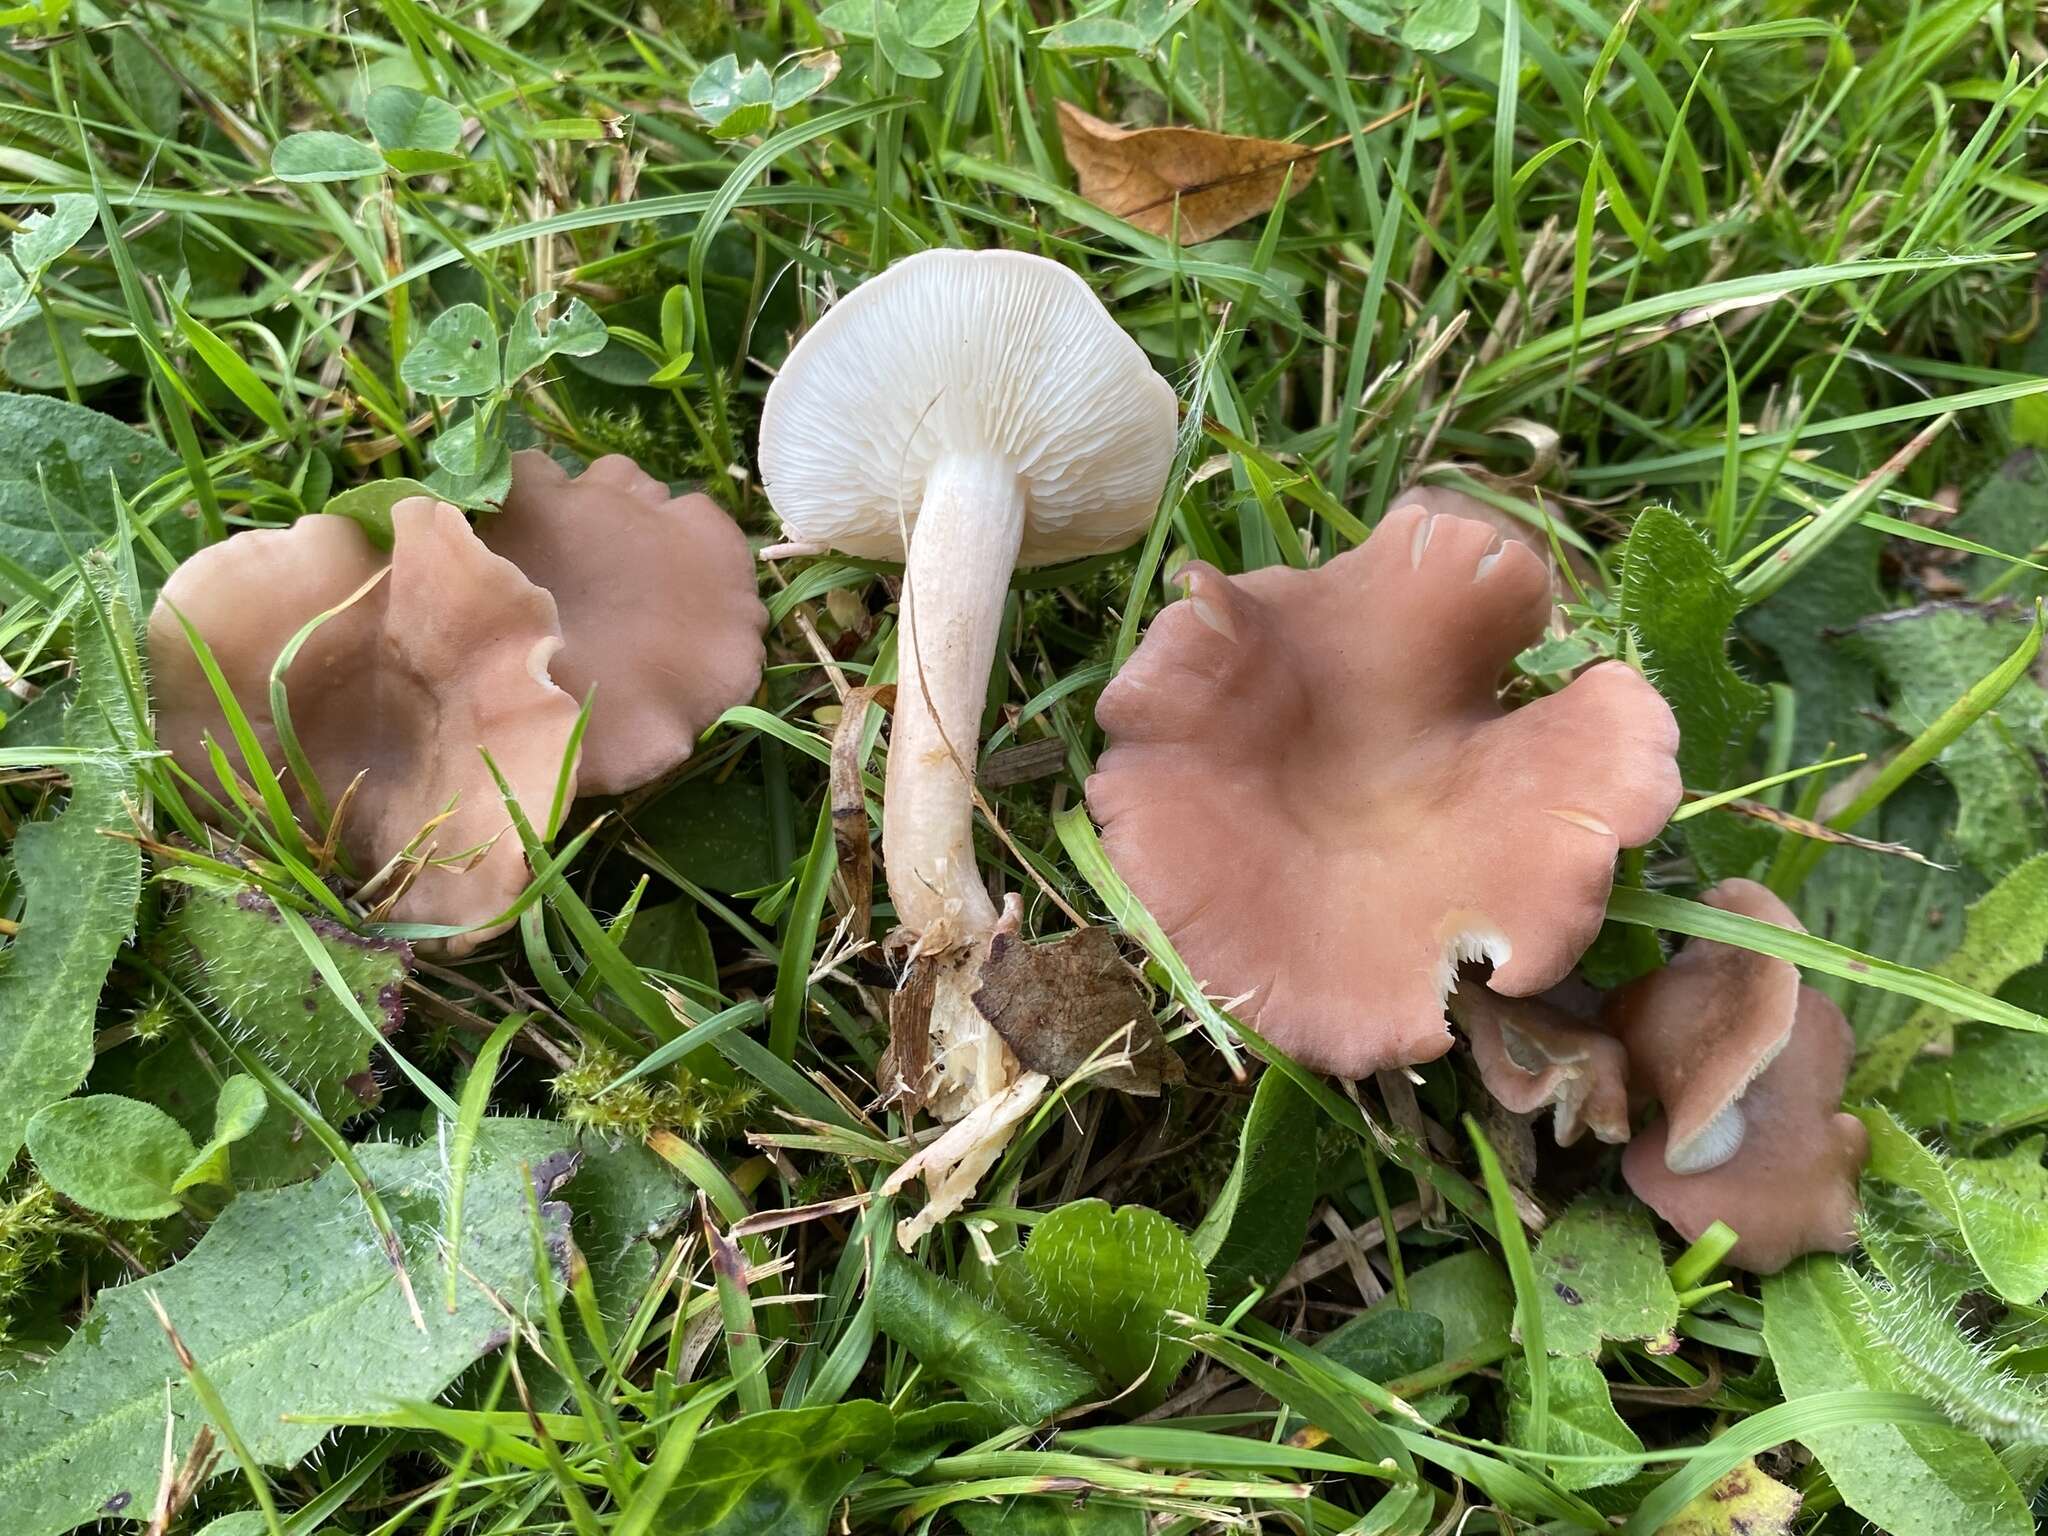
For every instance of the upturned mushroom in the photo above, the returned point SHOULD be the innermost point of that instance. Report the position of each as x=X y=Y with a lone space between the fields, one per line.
x=1701 y=1029
x=1789 y=1188
x=966 y=412
x=447 y=654
x=1531 y=1053
x=1311 y=784
x=658 y=608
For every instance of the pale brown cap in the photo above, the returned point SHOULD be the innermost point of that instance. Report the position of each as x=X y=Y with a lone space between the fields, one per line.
x=1791 y=1187
x=447 y=654
x=658 y=607
x=1530 y=1054
x=1444 y=500
x=1699 y=1030
x=1310 y=782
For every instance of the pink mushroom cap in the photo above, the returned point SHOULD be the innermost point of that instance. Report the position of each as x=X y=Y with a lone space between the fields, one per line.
x=1311 y=783
x=657 y=601
x=447 y=654
x=1531 y=1054
x=1790 y=1188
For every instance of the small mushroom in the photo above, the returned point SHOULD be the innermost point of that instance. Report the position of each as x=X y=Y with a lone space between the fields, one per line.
x=1311 y=784
x=1702 y=1028
x=447 y=654
x=657 y=601
x=1790 y=1188
x=966 y=412
x=1531 y=1053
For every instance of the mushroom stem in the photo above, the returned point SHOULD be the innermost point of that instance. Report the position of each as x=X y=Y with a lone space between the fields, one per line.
x=970 y=527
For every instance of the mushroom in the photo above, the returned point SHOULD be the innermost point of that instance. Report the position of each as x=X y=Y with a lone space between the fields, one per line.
x=1446 y=500
x=1531 y=1053
x=657 y=602
x=1312 y=786
x=446 y=654
x=1702 y=1028
x=1790 y=1187
x=966 y=412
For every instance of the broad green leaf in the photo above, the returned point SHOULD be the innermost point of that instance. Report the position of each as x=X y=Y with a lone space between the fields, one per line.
x=854 y=18
x=778 y=1473
x=248 y=1522
x=1254 y=1231
x=1096 y=37
x=291 y=1307
x=56 y=460
x=1680 y=605
x=716 y=833
x=1932 y=656
x=237 y=1112
x=456 y=356
x=16 y=298
x=1806 y=624
x=79 y=886
x=324 y=156
x=904 y=56
x=1906 y=1479
x=1471 y=1295
x=1995 y=1078
x=734 y=99
x=1106 y=1284
x=47 y=234
x=1386 y=1343
x=1994 y=1203
x=540 y=330
x=2004 y=512
x=1601 y=1276
x=120 y=1157
x=466 y=449
x=370 y=505
x=1581 y=1421
x=1745 y=1501
x=473 y=463
x=147 y=87
x=400 y=118
x=935 y=23
x=248 y=970
x=801 y=78
x=962 y=1339
x=2004 y=933
x=1436 y=26
x=31 y=357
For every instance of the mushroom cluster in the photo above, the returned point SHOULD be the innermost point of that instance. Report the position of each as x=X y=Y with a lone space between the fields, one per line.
x=411 y=666
x=967 y=413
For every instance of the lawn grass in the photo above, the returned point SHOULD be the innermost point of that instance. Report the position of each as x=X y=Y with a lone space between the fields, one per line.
x=1771 y=269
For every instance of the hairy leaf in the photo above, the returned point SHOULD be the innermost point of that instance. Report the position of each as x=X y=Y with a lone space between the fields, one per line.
x=1932 y=656
x=1106 y=1283
x=55 y=462
x=1581 y=1422
x=1600 y=1275
x=777 y=1473
x=1907 y=1479
x=1680 y=605
x=291 y=1307
x=1994 y=1203
x=960 y=1338
x=79 y=886
x=245 y=965
x=120 y=1157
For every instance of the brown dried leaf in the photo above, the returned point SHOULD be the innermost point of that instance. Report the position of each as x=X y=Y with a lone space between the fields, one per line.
x=1055 y=1004
x=1163 y=179
x=850 y=832
x=904 y=1071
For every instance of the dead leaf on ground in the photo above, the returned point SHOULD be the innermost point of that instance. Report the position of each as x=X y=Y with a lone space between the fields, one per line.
x=850 y=833
x=1185 y=179
x=1745 y=1502
x=1056 y=1003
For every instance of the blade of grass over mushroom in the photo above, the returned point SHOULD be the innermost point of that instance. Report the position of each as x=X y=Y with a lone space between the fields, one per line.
x=280 y=704
x=1077 y=835
x=1655 y=909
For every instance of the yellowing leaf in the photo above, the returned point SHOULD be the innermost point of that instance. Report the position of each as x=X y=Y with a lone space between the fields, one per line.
x=1185 y=180
x=1744 y=1502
